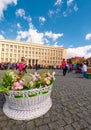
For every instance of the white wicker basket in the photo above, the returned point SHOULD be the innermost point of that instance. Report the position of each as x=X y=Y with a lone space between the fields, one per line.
x=28 y=104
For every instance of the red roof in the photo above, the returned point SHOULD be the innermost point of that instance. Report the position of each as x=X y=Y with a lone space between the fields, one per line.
x=76 y=58
x=88 y=58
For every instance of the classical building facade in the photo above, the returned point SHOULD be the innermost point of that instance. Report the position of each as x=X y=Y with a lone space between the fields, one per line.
x=12 y=51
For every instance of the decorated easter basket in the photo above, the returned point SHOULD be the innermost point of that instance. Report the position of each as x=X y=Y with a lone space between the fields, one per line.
x=27 y=102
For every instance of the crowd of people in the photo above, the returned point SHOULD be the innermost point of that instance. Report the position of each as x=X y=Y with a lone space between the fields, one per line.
x=79 y=68
x=9 y=65
x=64 y=65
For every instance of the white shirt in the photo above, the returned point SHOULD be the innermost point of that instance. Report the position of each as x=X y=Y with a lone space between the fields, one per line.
x=84 y=68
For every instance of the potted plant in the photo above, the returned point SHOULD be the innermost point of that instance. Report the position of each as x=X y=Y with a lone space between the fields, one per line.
x=28 y=96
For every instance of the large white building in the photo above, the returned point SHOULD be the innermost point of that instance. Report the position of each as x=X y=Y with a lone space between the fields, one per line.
x=12 y=51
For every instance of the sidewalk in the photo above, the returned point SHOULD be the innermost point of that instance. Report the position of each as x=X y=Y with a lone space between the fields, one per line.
x=71 y=108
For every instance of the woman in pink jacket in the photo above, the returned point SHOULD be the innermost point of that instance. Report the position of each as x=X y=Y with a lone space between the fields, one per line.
x=20 y=66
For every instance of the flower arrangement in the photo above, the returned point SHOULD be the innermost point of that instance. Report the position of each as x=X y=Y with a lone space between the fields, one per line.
x=12 y=80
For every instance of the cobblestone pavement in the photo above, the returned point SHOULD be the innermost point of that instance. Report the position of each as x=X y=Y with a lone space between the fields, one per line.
x=71 y=108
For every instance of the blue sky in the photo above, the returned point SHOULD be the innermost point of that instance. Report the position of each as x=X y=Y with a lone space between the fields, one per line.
x=65 y=23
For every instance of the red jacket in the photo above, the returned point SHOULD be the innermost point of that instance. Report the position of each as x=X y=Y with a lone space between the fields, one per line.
x=20 y=66
x=63 y=64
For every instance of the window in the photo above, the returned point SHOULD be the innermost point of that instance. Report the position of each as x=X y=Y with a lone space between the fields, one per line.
x=2 y=45
x=15 y=50
x=22 y=47
x=11 y=46
x=6 y=59
x=2 y=59
x=10 y=54
x=2 y=49
x=15 y=46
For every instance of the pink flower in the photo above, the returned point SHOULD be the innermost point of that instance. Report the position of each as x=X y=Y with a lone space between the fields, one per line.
x=31 y=83
x=20 y=81
x=34 y=78
x=47 y=78
x=53 y=74
x=20 y=87
x=17 y=85
x=48 y=82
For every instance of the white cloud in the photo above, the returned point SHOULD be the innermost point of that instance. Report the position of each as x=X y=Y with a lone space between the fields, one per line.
x=31 y=35
x=58 y=2
x=65 y=14
x=46 y=40
x=20 y=12
x=57 y=9
x=71 y=6
x=1 y=36
x=61 y=45
x=51 y=12
x=18 y=25
x=54 y=36
x=4 y=4
x=34 y=35
x=28 y=18
x=88 y=36
x=22 y=34
x=69 y=2
x=2 y=32
x=75 y=7
x=55 y=44
x=84 y=51
x=42 y=19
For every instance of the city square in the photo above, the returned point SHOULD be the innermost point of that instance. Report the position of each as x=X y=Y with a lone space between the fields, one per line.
x=45 y=65
x=71 y=106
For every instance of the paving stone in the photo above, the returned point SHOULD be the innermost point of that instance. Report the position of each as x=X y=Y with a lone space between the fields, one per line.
x=76 y=126
x=44 y=127
x=68 y=120
x=67 y=114
x=39 y=122
x=89 y=127
x=60 y=128
x=5 y=128
x=1 y=111
x=61 y=123
x=75 y=117
x=46 y=120
x=88 y=119
x=47 y=115
x=17 y=122
x=68 y=127
x=19 y=127
x=53 y=118
x=30 y=125
x=11 y=123
x=53 y=125
x=3 y=118
x=83 y=123
x=3 y=123
x=80 y=115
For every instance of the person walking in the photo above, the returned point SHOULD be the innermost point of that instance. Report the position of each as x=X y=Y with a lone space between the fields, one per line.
x=20 y=67
x=70 y=65
x=63 y=65
x=84 y=70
